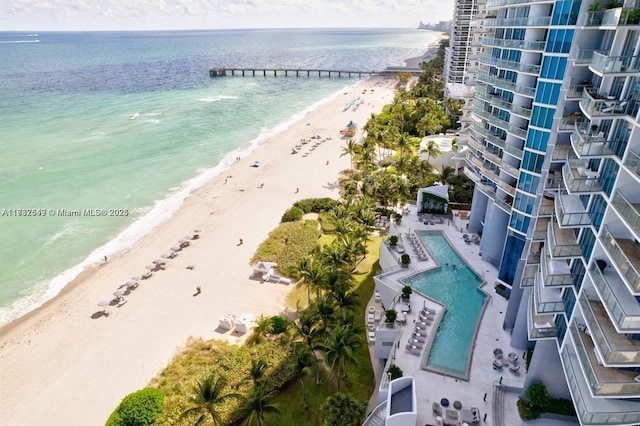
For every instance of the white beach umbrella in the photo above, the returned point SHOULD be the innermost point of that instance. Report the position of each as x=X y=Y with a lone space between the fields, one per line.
x=119 y=292
x=175 y=248
x=136 y=278
x=150 y=267
x=103 y=303
x=165 y=255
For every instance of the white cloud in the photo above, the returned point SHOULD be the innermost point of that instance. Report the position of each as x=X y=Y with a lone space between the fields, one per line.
x=161 y=14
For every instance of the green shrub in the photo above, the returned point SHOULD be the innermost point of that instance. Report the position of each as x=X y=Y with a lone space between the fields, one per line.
x=316 y=205
x=393 y=240
x=390 y=315
x=394 y=372
x=278 y=324
x=405 y=259
x=294 y=214
x=527 y=411
x=140 y=408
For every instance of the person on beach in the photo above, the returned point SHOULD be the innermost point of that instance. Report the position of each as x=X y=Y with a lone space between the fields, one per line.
x=297 y=190
x=241 y=242
x=105 y=259
x=198 y=290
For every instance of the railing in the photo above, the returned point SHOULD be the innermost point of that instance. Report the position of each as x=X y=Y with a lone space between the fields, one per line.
x=572 y=373
x=625 y=263
x=633 y=162
x=546 y=307
x=627 y=210
x=610 y=300
x=506 y=84
x=551 y=279
x=497 y=121
x=600 y=387
x=599 y=338
x=585 y=144
x=597 y=105
x=513 y=44
x=604 y=63
x=537 y=21
x=584 y=56
x=574 y=218
x=496 y=101
x=373 y=418
x=581 y=184
x=544 y=330
x=529 y=276
x=512 y=65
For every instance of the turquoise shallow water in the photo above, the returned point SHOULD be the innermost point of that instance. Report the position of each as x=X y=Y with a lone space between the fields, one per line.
x=456 y=287
x=132 y=121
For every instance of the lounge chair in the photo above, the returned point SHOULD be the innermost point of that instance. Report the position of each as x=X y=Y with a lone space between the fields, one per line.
x=497 y=364
x=514 y=368
x=377 y=315
x=497 y=352
x=371 y=335
x=513 y=357
x=370 y=319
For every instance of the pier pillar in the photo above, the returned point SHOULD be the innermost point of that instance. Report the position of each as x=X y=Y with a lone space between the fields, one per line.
x=254 y=72
x=243 y=73
x=264 y=72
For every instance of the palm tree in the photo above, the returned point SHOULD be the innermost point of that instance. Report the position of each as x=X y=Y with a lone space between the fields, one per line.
x=256 y=405
x=309 y=332
x=312 y=272
x=432 y=150
x=351 y=149
x=260 y=330
x=256 y=372
x=340 y=344
x=301 y=361
x=207 y=395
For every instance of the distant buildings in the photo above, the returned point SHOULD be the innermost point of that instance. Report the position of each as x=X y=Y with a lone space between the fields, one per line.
x=440 y=26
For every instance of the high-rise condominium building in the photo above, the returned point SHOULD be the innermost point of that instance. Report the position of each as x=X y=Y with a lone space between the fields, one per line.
x=554 y=150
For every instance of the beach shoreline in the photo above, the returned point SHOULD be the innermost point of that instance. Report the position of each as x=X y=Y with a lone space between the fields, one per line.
x=76 y=364
x=430 y=53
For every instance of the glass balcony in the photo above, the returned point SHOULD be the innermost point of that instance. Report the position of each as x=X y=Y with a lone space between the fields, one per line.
x=586 y=144
x=504 y=204
x=563 y=242
x=481 y=183
x=554 y=181
x=540 y=231
x=510 y=65
x=625 y=254
x=546 y=300
x=479 y=133
x=602 y=63
x=529 y=275
x=499 y=122
x=594 y=104
x=502 y=83
x=628 y=210
x=506 y=187
x=590 y=410
x=615 y=348
x=614 y=294
x=496 y=101
x=583 y=57
x=536 y=46
x=604 y=381
x=570 y=212
x=516 y=152
x=546 y=209
x=540 y=326
x=560 y=152
x=536 y=21
x=633 y=162
x=555 y=273
x=575 y=92
x=580 y=179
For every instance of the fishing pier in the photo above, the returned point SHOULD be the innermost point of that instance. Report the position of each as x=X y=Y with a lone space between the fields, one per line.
x=221 y=72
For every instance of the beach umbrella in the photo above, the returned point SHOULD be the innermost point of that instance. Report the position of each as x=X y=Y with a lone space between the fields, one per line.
x=165 y=255
x=119 y=293
x=197 y=231
x=130 y=284
x=159 y=262
x=188 y=237
x=175 y=248
x=103 y=303
x=136 y=278
x=150 y=267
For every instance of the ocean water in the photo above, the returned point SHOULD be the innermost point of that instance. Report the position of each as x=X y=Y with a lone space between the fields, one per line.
x=128 y=123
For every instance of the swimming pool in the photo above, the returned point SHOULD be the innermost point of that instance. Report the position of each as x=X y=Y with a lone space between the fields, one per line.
x=455 y=285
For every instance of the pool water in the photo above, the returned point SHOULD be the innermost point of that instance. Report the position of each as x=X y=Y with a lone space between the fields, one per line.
x=455 y=285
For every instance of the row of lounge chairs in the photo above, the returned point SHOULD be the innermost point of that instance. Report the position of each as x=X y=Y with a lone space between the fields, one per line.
x=417 y=246
x=511 y=361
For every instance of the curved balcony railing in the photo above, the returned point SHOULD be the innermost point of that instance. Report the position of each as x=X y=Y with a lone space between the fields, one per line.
x=563 y=242
x=557 y=275
x=605 y=64
x=570 y=211
x=553 y=303
x=499 y=122
x=632 y=162
x=582 y=180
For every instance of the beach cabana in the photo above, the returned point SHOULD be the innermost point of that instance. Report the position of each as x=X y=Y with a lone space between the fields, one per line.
x=262 y=268
x=350 y=130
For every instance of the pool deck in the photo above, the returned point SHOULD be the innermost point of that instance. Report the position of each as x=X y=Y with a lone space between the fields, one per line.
x=432 y=387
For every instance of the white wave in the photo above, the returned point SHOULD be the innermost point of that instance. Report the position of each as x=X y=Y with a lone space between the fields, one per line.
x=134 y=115
x=216 y=98
x=152 y=120
x=152 y=114
x=19 y=41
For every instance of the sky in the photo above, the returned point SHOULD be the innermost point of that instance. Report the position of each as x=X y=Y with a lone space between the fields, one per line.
x=83 y=15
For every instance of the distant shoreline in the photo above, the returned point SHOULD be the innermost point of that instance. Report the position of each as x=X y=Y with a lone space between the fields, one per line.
x=430 y=53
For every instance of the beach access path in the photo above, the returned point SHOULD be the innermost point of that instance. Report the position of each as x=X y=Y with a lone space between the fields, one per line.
x=65 y=364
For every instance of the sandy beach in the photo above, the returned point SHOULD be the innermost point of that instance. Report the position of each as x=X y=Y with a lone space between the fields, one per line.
x=67 y=364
